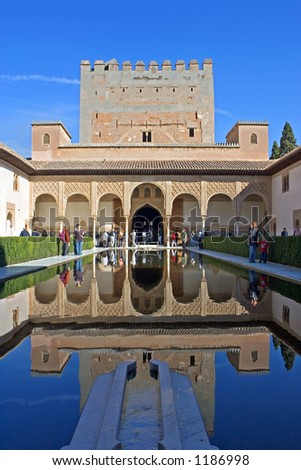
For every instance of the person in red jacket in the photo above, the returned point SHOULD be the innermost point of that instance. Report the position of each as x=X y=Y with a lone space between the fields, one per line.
x=65 y=237
x=263 y=248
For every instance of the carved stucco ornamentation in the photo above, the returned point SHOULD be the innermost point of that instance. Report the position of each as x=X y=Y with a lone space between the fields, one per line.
x=78 y=187
x=221 y=187
x=110 y=187
x=182 y=187
x=45 y=187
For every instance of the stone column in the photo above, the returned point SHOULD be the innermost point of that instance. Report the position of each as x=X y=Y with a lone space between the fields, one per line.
x=126 y=241
x=94 y=230
x=168 y=231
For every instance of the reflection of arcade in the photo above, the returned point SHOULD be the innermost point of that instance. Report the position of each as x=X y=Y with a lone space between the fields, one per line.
x=122 y=284
x=147 y=280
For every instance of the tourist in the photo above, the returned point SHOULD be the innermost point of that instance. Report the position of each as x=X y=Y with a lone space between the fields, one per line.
x=35 y=232
x=25 y=232
x=263 y=248
x=65 y=237
x=133 y=235
x=297 y=231
x=160 y=236
x=120 y=237
x=200 y=239
x=252 y=241
x=184 y=238
x=173 y=239
x=284 y=232
x=78 y=238
x=105 y=238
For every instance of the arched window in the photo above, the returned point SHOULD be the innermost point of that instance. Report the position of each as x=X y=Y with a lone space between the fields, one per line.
x=253 y=139
x=46 y=139
x=158 y=192
x=136 y=192
x=147 y=192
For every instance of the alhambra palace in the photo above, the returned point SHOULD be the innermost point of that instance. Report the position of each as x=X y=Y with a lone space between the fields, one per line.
x=147 y=155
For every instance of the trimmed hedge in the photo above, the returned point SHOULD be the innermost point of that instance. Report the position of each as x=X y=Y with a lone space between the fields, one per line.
x=12 y=286
x=283 y=250
x=21 y=249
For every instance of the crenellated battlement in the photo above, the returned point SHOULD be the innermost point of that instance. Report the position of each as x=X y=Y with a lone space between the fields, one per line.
x=139 y=66
x=141 y=102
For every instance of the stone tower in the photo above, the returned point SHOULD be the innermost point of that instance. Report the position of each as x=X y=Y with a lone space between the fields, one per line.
x=137 y=105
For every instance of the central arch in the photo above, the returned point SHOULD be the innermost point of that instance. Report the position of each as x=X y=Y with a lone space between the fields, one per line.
x=147 y=219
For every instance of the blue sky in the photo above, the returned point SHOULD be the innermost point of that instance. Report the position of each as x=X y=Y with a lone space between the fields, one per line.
x=255 y=47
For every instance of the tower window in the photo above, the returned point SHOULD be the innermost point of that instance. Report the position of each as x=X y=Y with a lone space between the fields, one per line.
x=191 y=132
x=253 y=139
x=46 y=139
x=146 y=136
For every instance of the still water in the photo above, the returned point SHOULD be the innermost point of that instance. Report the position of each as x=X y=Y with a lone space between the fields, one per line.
x=235 y=333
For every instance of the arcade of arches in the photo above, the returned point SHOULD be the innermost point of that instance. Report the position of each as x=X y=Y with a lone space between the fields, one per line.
x=208 y=205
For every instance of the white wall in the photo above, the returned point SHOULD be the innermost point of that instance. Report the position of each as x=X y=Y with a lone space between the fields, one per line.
x=20 y=200
x=18 y=301
x=294 y=326
x=283 y=204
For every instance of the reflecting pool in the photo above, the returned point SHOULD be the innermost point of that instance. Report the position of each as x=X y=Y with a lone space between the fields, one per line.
x=235 y=333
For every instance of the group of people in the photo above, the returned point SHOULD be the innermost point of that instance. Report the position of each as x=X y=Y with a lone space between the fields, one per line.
x=78 y=238
x=255 y=239
x=78 y=273
x=182 y=238
x=35 y=232
x=296 y=232
x=111 y=238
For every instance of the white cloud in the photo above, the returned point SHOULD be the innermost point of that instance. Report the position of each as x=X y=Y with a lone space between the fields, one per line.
x=41 y=78
x=222 y=111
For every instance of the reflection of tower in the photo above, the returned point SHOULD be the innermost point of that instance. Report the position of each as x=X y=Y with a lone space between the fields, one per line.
x=203 y=385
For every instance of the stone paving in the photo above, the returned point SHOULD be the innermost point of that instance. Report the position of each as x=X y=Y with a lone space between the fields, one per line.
x=280 y=271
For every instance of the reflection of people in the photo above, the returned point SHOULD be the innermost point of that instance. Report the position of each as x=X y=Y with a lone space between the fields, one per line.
x=78 y=272
x=252 y=241
x=65 y=275
x=264 y=282
x=253 y=288
x=25 y=232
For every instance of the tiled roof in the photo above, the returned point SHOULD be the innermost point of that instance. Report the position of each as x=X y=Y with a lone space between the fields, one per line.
x=151 y=167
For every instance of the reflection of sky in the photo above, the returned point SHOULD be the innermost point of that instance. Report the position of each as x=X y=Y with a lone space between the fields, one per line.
x=258 y=411
x=37 y=412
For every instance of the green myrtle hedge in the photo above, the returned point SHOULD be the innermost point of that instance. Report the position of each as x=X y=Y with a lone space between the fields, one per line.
x=284 y=250
x=21 y=249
